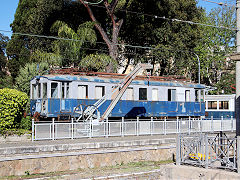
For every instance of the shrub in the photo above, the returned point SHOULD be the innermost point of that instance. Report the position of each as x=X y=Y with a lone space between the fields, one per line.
x=26 y=123
x=12 y=104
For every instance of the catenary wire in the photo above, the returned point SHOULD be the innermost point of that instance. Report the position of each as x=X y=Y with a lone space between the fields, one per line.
x=219 y=3
x=173 y=19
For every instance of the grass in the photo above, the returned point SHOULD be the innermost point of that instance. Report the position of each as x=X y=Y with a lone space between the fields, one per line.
x=94 y=172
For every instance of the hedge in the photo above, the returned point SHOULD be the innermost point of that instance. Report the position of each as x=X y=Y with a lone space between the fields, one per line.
x=12 y=104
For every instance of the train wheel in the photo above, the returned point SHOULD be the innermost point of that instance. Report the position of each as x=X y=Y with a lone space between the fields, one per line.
x=91 y=112
x=78 y=112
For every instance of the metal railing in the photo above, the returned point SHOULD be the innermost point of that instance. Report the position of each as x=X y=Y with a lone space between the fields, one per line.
x=128 y=127
x=207 y=151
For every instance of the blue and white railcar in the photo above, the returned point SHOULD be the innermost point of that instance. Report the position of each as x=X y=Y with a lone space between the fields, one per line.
x=218 y=106
x=54 y=95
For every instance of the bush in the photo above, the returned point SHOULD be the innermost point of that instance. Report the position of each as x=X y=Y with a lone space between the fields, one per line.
x=26 y=123
x=12 y=104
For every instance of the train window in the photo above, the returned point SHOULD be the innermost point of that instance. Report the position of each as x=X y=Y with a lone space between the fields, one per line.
x=187 y=96
x=44 y=90
x=142 y=93
x=54 y=90
x=99 y=91
x=223 y=104
x=212 y=104
x=129 y=94
x=82 y=91
x=34 y=91
x=154 y=94
x=171 y=94
x=65 y=90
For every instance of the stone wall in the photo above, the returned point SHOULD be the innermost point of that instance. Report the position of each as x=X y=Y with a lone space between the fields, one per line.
x=85 y=159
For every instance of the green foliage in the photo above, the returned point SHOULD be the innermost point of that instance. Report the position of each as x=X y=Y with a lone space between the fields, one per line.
x=27 y=73
x=12 y=104
x=215 y=47
x=71 y=51
x=164 y=35
x=52 y=59
x=5 y=81
x=26 y=123
x=98 y=62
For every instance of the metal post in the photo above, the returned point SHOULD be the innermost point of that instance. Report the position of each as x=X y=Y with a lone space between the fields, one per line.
x=122 y=132
x=151 y=126
x=237 y=104
x=177 y=124
x=72 y=126
x=106 y=133
x=33 y=129
x=206 y=151
x=165 y=126
x=137 y=126
x=178 y=150
x=221 y=123
x=198 y=67
x=200 y=126
x=212 y=124
x=238 y=154
x=189 y=119
x=53 y=128
x=90 y=129
x=237 y=109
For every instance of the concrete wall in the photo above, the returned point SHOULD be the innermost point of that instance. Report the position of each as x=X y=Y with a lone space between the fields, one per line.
x=42 y=163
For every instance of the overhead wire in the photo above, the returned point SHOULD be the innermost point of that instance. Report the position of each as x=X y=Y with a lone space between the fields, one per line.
x=173 y=19
x=219 y=3
x=86 y=2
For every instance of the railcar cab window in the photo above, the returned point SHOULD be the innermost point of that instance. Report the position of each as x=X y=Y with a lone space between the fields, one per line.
x=223 y=104
x=143 y=94
x=99 y=92
x=54 y=90
x=171 y=94
x=199 y=95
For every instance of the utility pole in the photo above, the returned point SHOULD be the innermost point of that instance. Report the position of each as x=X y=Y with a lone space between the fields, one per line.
x=236 y=57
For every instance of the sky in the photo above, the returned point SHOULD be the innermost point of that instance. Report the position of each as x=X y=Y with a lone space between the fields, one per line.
x=8 y=9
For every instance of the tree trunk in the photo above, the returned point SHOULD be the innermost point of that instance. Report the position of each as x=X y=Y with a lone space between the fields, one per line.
x=112 y=44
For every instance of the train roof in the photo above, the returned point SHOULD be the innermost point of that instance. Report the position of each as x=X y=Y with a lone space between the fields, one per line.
x=174 y=81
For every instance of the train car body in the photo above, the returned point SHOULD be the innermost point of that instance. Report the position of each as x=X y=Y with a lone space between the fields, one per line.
x=55 y=95
x=218 y=106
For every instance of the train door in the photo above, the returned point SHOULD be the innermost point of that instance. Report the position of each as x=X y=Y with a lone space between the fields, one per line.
x=65 y=107
x=44 y=98
x=199 y=99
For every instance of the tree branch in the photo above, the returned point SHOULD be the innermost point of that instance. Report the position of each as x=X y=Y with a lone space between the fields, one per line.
x=97 y=25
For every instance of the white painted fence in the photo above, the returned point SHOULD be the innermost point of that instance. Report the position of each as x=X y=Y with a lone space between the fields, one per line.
x=129 y=127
